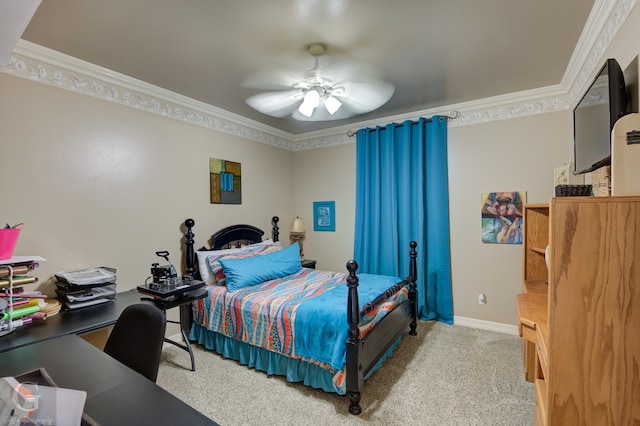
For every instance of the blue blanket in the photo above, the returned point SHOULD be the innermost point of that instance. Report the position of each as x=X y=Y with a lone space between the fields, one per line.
x=321 y=322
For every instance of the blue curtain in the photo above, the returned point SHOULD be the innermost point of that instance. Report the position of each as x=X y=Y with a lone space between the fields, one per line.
x=402 y=195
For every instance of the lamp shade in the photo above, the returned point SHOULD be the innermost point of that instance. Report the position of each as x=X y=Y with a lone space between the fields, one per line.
x=298 y=226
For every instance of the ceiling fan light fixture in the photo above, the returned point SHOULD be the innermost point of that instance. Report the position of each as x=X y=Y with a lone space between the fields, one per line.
x=312 y=97
x=345 y=88
x=332 y=105
x=305 y=109
x=310 y=103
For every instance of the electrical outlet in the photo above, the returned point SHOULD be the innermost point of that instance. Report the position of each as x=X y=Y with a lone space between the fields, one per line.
x=482 y=299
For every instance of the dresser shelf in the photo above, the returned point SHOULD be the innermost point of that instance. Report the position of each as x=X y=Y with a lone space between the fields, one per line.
x=580 y=318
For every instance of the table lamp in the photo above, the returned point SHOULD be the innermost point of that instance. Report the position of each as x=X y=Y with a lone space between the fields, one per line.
x=297 y=233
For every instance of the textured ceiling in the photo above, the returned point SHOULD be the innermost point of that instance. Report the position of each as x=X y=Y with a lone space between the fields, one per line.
x=436 y=53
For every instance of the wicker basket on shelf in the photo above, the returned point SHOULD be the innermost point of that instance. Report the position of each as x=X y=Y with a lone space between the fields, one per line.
x=573 y=190
x=601 y=181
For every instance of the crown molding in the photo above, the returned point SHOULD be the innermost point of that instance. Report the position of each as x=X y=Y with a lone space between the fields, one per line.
x=603 y=23
x=501 y=107
x=607 y=17
x=47 y=66
x=53 y=68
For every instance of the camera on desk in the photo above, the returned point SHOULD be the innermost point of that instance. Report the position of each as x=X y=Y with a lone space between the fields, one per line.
x=165 y=275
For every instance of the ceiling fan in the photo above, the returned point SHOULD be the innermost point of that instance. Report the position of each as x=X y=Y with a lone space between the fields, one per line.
x=331 y=91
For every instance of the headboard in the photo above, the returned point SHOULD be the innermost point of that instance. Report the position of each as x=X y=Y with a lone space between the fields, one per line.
x=236 y=236
x=231 y=236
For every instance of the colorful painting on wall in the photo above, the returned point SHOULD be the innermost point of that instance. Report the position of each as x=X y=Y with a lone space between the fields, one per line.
x=226 y=181
x=502 y=217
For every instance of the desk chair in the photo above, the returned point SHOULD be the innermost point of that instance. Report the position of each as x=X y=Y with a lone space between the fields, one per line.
x=137 y=337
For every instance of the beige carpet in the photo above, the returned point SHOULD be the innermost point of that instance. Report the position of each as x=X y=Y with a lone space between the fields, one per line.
x=447 y=375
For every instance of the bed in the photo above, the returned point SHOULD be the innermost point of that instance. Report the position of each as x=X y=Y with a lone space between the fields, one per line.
x=328 y=330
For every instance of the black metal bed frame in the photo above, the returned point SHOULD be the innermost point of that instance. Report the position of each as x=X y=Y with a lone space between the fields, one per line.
x=362 y=353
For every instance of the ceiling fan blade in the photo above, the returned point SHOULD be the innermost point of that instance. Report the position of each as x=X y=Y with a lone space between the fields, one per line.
x=272 y=79
x=277 y=104
x=360 y=88
x=364 y=96
x=337 y=71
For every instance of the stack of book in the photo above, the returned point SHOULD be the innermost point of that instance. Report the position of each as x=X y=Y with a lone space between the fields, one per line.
x=22 y=266
x=19 y=307
x=86 y=287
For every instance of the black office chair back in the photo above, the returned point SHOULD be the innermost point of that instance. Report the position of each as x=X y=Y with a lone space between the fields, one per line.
x=137 y=337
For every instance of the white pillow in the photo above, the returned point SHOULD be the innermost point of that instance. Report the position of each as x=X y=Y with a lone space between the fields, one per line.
x=261 y=243
x=203 y=263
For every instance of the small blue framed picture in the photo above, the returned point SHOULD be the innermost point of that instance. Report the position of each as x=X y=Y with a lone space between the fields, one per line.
x=324 y=216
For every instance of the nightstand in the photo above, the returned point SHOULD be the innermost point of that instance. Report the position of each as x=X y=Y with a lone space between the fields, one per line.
x=309 y=263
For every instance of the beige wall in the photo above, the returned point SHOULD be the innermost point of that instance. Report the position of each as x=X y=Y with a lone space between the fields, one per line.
x=507 y=155
x=327 y=174
x=510 y=155
x=101 y=184
x=97 y=183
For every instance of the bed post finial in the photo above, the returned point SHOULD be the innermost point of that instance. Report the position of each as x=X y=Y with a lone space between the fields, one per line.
x=353 y=313
x=413 y=254
x=189 y=257
x=275 y=232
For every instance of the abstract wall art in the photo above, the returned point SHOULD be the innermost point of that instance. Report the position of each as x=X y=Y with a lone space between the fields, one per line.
x=225 y=179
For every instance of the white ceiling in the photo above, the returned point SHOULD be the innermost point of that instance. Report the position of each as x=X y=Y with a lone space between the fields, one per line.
x=437 y=53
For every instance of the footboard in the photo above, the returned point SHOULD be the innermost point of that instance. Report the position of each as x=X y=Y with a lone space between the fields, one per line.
x=363 y=354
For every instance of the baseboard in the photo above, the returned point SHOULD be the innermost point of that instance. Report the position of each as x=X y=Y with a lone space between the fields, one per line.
x=486 y=325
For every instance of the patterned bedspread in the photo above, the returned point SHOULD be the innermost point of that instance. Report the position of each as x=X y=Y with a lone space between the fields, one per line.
x=302 y=316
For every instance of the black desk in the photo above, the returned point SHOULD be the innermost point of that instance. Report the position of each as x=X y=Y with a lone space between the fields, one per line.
x=116 y=395
x=92 y=318
x=78 y=321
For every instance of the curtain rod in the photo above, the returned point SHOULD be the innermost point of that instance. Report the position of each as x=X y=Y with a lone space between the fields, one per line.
x=452 y=116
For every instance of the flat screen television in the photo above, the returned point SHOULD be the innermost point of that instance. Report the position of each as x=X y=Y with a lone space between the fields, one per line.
x=594 y=116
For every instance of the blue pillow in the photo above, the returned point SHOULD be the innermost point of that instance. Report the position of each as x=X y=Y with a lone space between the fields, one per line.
x=254 y=270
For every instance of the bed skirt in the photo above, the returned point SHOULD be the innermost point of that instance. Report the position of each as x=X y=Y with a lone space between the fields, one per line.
x=275 y=364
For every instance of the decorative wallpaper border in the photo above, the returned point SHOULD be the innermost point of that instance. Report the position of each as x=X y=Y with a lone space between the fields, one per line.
x=46 y=66
x=606 y=31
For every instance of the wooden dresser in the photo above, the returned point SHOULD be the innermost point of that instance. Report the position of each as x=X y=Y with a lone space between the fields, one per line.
x=580 y=318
